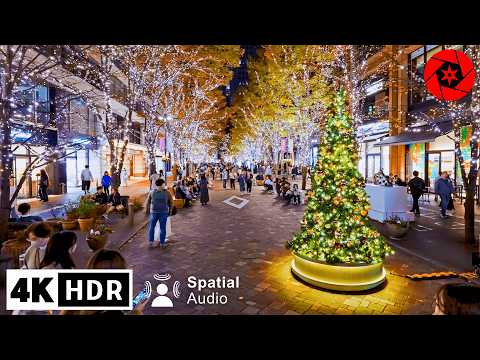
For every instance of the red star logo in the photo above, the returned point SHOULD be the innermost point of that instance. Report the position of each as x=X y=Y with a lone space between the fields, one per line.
x=449 y=75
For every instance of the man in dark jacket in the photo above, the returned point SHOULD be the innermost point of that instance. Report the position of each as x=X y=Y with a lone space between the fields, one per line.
x=417 y=186
x=444 y=189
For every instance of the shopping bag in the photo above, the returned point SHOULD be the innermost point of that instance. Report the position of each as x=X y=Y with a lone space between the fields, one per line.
x=157 y=230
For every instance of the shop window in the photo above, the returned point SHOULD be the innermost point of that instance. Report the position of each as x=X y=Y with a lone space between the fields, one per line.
x=33 y=104
x=135 y=134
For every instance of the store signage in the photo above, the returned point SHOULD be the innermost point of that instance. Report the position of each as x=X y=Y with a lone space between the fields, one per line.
x=449 y=75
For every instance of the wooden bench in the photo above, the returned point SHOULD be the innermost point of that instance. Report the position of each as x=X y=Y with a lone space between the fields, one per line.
x=178 y=203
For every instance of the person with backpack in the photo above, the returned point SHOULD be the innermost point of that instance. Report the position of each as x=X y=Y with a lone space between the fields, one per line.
x=159 y=203
x=417 y=187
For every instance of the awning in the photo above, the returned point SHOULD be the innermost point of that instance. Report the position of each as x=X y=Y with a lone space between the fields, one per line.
x=421 y=134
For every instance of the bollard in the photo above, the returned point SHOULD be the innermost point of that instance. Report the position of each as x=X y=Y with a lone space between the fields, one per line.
x=131 y=214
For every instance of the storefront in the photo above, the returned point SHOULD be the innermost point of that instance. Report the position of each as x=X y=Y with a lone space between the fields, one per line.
x=38 y=141
x=429 y=149
x=372 y=158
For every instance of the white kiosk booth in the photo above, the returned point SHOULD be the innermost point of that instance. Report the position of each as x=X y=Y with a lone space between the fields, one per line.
x=388 y=201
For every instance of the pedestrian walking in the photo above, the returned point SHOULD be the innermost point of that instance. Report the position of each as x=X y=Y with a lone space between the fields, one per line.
x=43 y=187
x=106 y=182
x=86 y=177
x=159 y=204
x=124 y=177
x=444 y=189
x=204 y=198
x=233 y=177
x=225 y=177
x=249 y=182
x=417 y=187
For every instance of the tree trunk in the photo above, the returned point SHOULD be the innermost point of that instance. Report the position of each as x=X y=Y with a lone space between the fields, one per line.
x=469 y=215
x=304 y=177
x=6 y=163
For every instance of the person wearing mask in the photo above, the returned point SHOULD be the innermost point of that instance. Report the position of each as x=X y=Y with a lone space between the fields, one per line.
x=38 y=235
x=204 y=198
x=159 y=202
x=60 y=249
x=115 y=201
x=100 y=196
x=106 y=182
x=444 y=189
x=417 y=186
x=43 y=188
x=86 y=177
x=24 y=209
x=457 y=299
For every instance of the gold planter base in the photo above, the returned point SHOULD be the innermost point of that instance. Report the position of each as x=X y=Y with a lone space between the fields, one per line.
x=342 y=277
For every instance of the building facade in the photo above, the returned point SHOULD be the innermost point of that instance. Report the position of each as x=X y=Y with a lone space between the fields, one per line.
x=405 y=128
x=48 y=117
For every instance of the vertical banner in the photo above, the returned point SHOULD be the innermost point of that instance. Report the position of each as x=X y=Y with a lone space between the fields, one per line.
x=417 y=158
x=465 y=137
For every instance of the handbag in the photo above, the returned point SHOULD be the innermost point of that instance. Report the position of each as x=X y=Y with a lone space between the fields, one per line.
x=450 y=204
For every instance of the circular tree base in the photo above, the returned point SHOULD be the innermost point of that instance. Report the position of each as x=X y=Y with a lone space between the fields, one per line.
x=339 y=277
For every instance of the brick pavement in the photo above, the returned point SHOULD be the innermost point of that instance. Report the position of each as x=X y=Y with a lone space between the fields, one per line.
x=220 y=240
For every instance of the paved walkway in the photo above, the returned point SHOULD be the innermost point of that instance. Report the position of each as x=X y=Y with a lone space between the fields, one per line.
x=249 y=242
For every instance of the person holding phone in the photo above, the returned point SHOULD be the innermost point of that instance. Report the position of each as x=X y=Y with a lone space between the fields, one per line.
x=110 y=259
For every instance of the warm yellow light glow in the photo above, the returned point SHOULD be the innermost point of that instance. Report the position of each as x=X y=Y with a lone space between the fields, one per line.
x=338 y=277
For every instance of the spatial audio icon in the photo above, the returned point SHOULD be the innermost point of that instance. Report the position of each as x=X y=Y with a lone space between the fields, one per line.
x=162 y=289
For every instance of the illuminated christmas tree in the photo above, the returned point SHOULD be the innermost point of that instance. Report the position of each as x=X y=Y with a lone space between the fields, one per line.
x=335 y=228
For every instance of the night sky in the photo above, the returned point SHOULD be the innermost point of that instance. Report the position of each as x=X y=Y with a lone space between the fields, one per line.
x=240 y=74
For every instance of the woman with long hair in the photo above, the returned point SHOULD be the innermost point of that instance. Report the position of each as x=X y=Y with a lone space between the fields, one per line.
x=59 y=251
x=43 y=186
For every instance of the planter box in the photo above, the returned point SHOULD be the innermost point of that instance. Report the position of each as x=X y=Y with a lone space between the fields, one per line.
x=340 y=277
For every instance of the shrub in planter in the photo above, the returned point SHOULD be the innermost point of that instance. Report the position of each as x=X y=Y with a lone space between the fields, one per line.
x=87 y=210
x=397 y=228
x=97 y=238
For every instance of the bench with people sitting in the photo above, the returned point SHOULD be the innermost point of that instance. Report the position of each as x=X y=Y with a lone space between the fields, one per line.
x=177 y=202
x=268 y=185
x=115 y=203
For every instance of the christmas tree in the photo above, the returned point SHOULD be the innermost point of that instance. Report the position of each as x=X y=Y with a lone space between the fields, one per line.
x=335 y=228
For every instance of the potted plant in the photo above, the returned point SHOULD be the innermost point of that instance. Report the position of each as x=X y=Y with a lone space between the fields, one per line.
x=97 y=238
x=87 y=211
x=71 y=216
x=396 y=227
